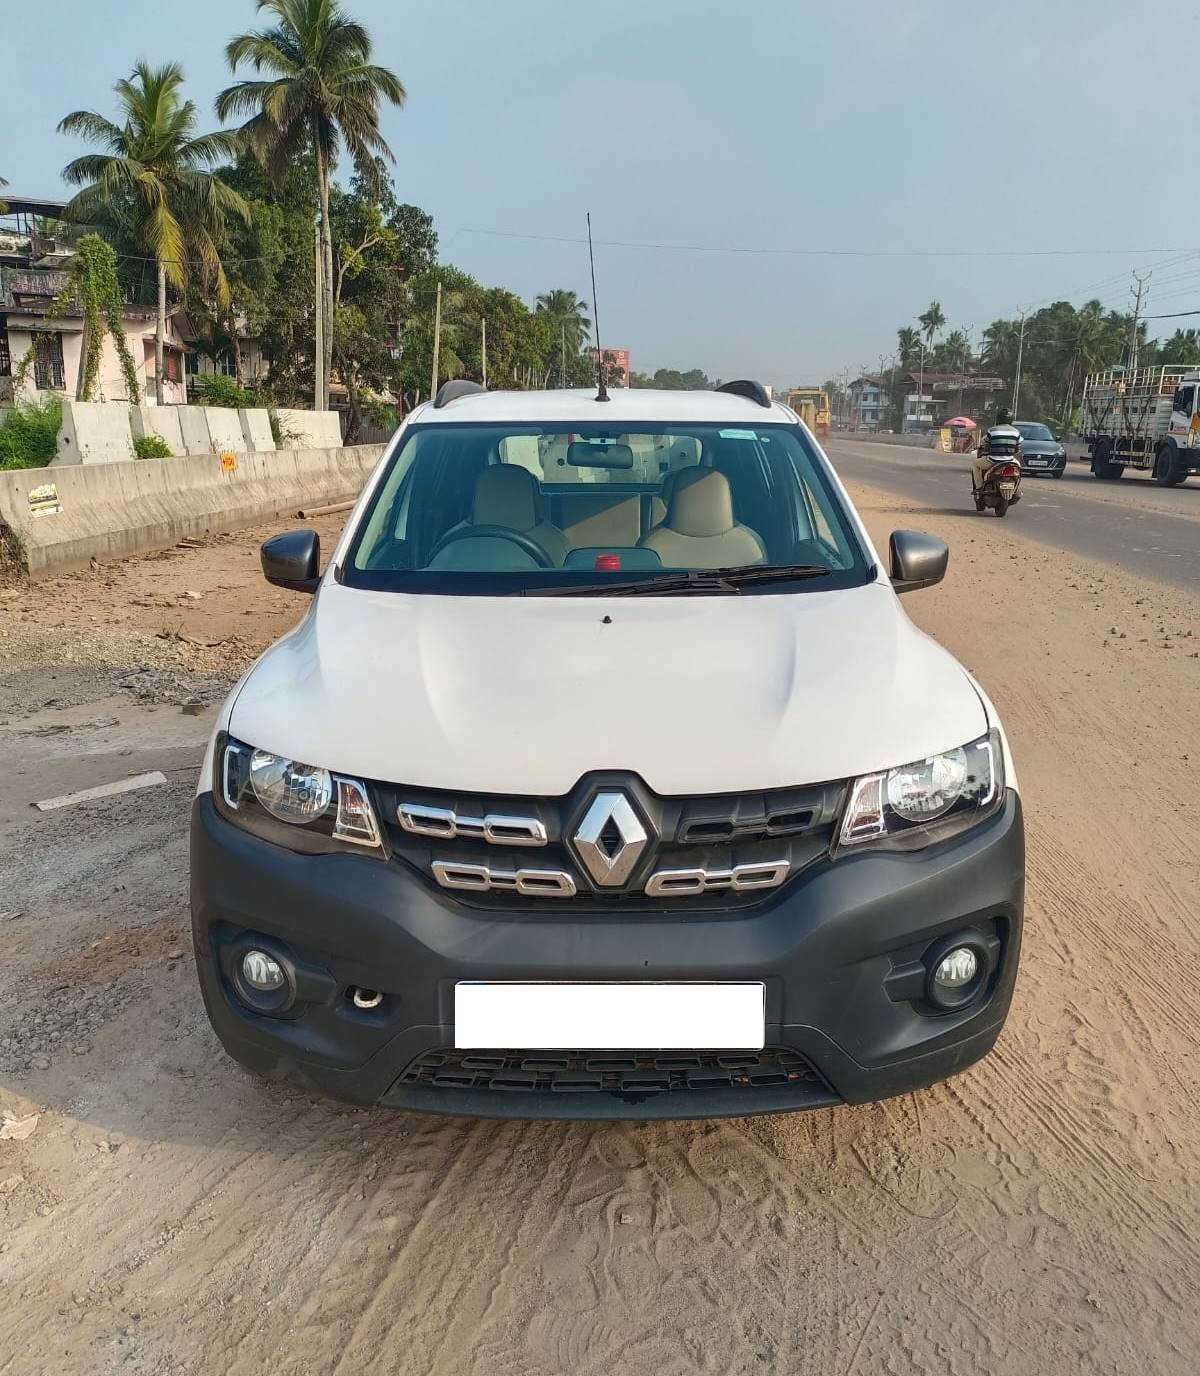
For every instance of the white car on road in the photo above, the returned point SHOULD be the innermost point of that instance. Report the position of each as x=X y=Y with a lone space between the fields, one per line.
x=607 y=777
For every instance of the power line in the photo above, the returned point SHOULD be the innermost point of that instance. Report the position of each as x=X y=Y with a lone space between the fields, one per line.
x=831 y=252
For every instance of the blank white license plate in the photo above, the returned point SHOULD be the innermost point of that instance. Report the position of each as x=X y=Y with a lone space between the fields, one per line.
x=608 y=1017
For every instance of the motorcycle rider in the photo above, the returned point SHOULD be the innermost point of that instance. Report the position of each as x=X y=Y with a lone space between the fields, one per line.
x=1000 y=441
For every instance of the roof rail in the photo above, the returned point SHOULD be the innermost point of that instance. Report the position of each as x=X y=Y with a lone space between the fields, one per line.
x=451 y=391
x=744 y=387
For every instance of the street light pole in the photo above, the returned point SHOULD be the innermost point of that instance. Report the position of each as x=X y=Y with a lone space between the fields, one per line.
x=1020 y=356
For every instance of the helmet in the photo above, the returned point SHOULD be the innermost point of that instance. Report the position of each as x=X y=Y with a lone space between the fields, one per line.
x=1003 y=415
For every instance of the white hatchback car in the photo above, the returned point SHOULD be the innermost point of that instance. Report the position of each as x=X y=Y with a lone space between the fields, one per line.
x=606 y=777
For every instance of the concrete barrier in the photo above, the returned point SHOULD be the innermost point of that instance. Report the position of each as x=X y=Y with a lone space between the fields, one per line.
x=162 y=421
x=193 y=425
x=313 y=429
x=256 y=430
x=60 y=518
x=225 y=432
x=94 y=432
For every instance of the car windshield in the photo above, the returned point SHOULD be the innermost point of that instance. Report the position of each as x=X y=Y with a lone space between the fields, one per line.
x=501 y=509
x=1031 y=430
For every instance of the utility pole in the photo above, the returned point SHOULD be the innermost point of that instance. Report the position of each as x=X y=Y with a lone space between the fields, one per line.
x=1020 y=356
x=562 y=366
x=921 y=387
x=437 y=341
x=318 y=327
x=484 y=352
x=1137 y=293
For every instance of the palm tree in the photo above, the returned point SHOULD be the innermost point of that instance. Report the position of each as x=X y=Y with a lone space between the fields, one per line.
x=908 y=345
x=323 y=93
x=152 y=183
x=932 y=321
x=567 y=315
x=3 y=202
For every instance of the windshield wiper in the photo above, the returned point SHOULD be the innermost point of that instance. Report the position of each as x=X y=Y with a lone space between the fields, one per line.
x=728 y=580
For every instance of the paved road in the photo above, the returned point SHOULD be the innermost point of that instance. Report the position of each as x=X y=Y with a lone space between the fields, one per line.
x=1133 y=524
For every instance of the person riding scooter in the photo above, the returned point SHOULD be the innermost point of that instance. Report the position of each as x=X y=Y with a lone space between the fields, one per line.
x=1000 y=441
x=996 y=471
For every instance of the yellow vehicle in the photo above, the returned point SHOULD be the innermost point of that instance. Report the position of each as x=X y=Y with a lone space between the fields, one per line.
x=811 y=404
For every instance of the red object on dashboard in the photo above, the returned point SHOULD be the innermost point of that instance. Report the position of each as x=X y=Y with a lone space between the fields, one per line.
x=608 y=563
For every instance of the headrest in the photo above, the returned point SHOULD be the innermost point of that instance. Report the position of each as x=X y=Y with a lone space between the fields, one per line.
x=505 y=495
x=701 y=503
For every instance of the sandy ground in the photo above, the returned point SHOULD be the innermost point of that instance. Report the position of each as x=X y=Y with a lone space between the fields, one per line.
x=168 y=1214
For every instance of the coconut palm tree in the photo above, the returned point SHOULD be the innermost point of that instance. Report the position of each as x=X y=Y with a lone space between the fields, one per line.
x=931 y=321
x=322 y=93
x=152 y=185
x=908 y=345
x=568 y=319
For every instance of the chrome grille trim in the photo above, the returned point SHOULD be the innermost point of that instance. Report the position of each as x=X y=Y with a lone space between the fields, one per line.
x=685 y=883
x=496 y=828
x=529 y=883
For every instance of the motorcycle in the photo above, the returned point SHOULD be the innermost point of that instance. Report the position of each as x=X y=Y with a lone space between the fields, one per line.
x=1001 y=484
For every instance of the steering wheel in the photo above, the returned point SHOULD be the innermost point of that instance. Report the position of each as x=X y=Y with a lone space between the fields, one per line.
x=515 y=537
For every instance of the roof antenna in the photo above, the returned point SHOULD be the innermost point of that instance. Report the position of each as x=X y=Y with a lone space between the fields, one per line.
x=602 y=390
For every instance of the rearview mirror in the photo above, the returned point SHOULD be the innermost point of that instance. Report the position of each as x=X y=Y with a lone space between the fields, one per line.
x=586 y=454
x=292 y=560
x=918 y=560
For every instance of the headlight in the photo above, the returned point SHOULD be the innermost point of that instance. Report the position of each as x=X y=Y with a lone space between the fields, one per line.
x=317 y=809
x=291 y=791
x=929 y=800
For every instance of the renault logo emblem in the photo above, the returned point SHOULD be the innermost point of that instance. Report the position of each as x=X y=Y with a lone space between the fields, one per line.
x=611 y=839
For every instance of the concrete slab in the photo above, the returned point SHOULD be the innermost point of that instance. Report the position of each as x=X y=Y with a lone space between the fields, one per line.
x=162 y=421
x=193 y=425
x=256 y=430
x=63 y=517
x=312 y=429
x=94 y=432
x=225 y=431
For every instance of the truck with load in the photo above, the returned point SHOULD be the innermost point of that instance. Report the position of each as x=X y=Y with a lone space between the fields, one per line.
x=1144 y=418
x=811 y=404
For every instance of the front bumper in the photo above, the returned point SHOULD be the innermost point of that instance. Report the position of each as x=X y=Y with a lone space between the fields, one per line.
x=1043 y=465
x=837 y=949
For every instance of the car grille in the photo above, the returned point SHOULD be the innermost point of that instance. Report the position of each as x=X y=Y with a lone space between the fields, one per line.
x=610 y=1072
x=714 y=851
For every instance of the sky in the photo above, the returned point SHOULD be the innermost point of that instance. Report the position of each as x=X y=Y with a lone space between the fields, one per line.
x=775 y=187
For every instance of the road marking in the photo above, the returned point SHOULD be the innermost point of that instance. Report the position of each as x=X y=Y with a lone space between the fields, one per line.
x=85 y=795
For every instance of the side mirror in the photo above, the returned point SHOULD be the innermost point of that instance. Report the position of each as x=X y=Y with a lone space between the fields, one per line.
x=292 y=560
x=918 y=560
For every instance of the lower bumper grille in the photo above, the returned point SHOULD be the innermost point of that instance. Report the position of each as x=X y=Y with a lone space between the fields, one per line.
x=611 y=1072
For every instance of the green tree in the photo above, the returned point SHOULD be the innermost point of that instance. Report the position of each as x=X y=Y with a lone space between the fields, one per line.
x=271 y=301
x=567 y=316
x=931 y=321
x=952 y=354
x=1182 y=347
x=322 y=93
x=3 y=202
x=671 y=380
x=153 y=184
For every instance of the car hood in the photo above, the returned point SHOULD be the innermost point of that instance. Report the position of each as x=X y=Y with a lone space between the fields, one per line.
x=1049 y=448
x=524 y=695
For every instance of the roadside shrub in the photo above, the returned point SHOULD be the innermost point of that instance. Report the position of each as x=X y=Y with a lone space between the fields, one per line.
x=151 y=447
x=282 y=434
x=215 y=389
x=29 y=434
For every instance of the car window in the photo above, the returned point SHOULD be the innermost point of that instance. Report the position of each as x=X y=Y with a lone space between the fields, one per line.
x=483 y=508
x=1031 y=431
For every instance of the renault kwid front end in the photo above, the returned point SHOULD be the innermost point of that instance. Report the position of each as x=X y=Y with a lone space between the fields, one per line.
x=607 y=777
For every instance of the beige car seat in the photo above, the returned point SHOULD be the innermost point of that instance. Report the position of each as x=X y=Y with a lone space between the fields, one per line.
x=700 y=531
x=507 y=495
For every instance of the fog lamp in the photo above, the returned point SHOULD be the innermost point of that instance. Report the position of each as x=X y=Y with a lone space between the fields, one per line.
x=957 y=968
x=262 y=971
